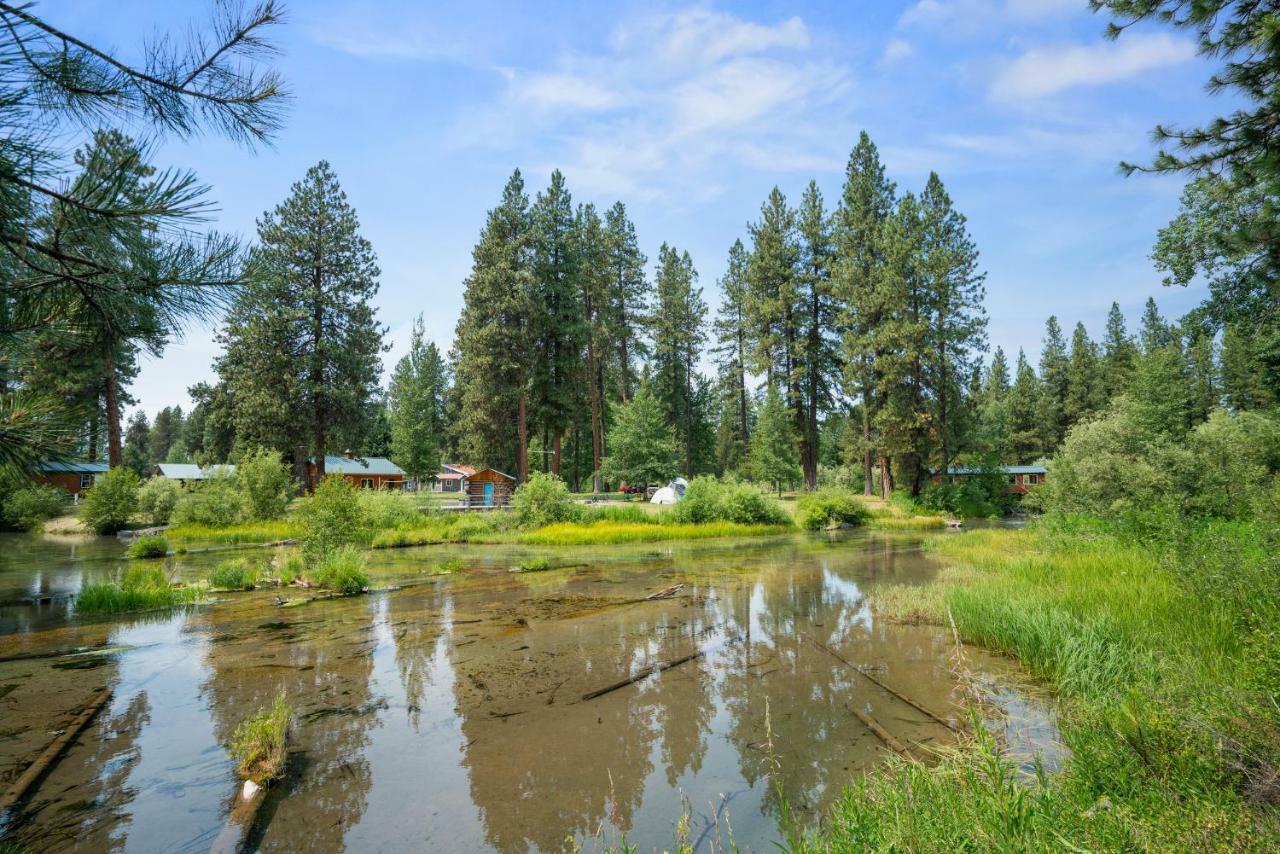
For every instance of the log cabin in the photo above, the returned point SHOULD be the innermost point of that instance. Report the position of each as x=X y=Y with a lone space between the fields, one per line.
x=73 y=478
x=490 y=488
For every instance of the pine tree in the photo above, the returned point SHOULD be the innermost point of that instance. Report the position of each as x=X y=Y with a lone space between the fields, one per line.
x=771 y=294
x=958 y=326
x=1156 y=333
x=991 y=403
x=642 y=450
x=416 y=407
x=1055 y=363
x=1246 y=383
x=1202 y=371
x=557 y=333
x=1025 y=431
x=301 y=342
x=137 y=444
x=1085 y=393
x=1118 y=354
x=732 y=347
x=866 y=203
x=492 y=339
x=773 y=448
x=595 y=276
x=817 y=357
x=166 y=433
x=678 y=334
x=628 y=297
x=732 y=443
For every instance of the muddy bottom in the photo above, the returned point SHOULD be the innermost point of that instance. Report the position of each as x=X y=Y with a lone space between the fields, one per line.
x=487 y=709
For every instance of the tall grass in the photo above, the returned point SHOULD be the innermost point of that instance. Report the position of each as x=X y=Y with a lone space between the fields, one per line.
x=258 y=743
x=268 y=531
x=342 y=570
x=141 y=587
x=236 y=574
x=1171 y=722
x=148 y=547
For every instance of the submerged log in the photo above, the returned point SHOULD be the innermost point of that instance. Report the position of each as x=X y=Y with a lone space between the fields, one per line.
x=903 y=697
x=643 y=673
x=234 y=836
x=881 y=733
x=52 y=753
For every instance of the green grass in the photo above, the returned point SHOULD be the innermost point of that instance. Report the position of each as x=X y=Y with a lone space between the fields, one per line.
x=243 y=533
x=258 y=744
x=534 y=564
x=1166 y=698
x=236 y=574
x=888 y=522
x=342 y=571
x=607 y=533
x=453 y=564
x=148 y=547
x=140 y=588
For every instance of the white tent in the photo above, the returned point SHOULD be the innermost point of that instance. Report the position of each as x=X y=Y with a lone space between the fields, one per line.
x=671 y=493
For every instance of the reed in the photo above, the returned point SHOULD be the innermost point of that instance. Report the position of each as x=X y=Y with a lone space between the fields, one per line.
x=258 y=744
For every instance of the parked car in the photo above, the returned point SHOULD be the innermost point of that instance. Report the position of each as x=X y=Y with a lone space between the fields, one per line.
x=632 y=489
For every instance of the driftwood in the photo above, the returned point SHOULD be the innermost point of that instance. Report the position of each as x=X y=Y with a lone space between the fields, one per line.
x=643 y=673
x=52 y=753
x=881 y=733
x=910 y=702
x=664 y=593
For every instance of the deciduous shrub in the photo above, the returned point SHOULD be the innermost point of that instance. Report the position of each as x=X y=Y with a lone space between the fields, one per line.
x=543 y=499
x=31 y=506
x=264 y=484
x=383 y=509
x=331 y=518
x=829 y=508
x=111 y=502
x=709 y=500
x=216 y=502
x=157 y=499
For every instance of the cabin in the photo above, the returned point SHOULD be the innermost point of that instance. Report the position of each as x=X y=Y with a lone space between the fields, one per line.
x=362 y=472
x=452 y=477
x=189 y=472
x=490 y=488
x=1020 y=479
x=72 y=478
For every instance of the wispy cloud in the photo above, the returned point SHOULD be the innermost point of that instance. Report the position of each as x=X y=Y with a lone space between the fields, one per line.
x=1048 y=70
x=974 y=16
x=897 y=50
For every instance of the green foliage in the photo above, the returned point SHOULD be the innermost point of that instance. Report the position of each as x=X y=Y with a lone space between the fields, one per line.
x=239 y=534
x=31 y=506
x=543 y=499
x=112 y=501
x=264 y=483
x=773 y=449
x=616 y=533
x=381 y=509
x=678 y=334
x=534 y=564
x=157 y=500
x=259 y=742
x=288 y=568
x=641 y=448
x=141 y=587
x=331 y=518
x=829 y=508
x=341 y=570
x=216 y=502
x=709 y=500
x=148 y=547
x=416 y=400
x=235 y=574
x=972 y=496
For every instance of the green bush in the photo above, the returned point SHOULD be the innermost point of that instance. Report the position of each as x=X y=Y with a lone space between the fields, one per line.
x=289 y=568
x=828 y=508
x=157 y=499
x=382 y=509
x=148 y=547
x=216 y=502
x=972 y=496
x=341 y=570
x=264 y=484
x=111 y=502
x=237 y=574
x=709 y=500
x=32 y=505
x=331 y=518
x=543 y=499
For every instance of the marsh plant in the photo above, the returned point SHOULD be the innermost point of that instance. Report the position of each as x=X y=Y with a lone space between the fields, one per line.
x=259 y=744
x=148 y=547
x=141 y=587
x=342 y=571
x=236 y=574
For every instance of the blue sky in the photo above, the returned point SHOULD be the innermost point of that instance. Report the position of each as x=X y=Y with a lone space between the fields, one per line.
x=690 y=113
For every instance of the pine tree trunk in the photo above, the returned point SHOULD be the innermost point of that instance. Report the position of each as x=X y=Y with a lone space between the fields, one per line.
x=742 y=392
x=93 y=435
x=597 y=423
x=886 y=478
x=111 y=390
x=522 y=439
x=555 y=452
x=868 y=474
x=624 y=357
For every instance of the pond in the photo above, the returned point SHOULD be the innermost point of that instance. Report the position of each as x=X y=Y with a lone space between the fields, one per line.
x=452 y=713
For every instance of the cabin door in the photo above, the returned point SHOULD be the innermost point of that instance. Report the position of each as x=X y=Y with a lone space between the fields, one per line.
x=488 y=495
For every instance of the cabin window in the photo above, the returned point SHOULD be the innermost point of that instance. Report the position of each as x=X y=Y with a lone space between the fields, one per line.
x=86 y=481
x=366 y=483
x=1033 y=478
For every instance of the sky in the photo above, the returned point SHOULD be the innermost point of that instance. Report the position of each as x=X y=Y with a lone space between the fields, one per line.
x=690 y=114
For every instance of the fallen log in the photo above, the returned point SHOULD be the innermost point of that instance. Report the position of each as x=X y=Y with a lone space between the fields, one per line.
x=244 y=814
x=881 y=733
x=52 y=753
x=904 y=698
x=643 y=673
x=664 y=593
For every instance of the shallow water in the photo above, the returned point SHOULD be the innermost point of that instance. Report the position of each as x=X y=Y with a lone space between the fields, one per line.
x=449 y=714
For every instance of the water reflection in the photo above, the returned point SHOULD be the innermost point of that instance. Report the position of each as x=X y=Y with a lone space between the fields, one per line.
x=450 y=714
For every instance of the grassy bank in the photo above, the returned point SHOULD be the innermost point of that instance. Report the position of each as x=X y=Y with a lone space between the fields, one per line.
x=242 y=533
x=1166 y=691
x=607 y=533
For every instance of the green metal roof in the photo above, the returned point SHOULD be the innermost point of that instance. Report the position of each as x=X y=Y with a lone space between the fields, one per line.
x=51 y=467
x=356 y=465
x=998 y=470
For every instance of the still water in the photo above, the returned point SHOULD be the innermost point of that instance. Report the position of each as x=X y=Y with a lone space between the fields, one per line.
x=449 y=714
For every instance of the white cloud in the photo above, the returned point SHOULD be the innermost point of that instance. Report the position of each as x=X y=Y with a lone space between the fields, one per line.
x=896 y=51
x=1048 y=70
x=970 y=15
x=558 y=90
x=703 y=36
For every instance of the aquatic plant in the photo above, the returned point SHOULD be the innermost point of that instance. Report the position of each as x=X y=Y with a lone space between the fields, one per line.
x=453 y=564
x=342 y=570
x=259 y=743
x=534 y=564
x=148 y=547
x=235 y=574
x=289 y=568
x=828 y=508
x=141 y=587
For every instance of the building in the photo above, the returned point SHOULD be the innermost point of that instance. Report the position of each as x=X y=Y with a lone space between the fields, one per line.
x=364 y=472
x=490 y=488
x=189 y=472
x=71 y=478
x=1019 y=478
x=452 y=477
